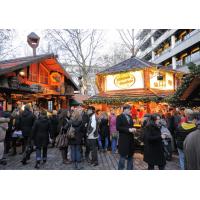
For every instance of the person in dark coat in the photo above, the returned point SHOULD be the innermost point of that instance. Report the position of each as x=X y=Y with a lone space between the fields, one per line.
x=63 y=126
x=40 y=135
x=75 y=143
x=103 y=132
x=153 y=146
x=15 y=126
x=85 y=121
x=126 y=139
x=182 y=132
x=192 y=148
x=26 y=121
x=54 y=127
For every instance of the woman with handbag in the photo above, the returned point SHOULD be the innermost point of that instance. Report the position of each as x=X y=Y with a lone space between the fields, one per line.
x=61 y=139
x=153 y=145
x=15 y=126
x=75 y=136
x=113 y=131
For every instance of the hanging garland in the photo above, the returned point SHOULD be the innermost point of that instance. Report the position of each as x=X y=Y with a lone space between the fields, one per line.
x=121 y=100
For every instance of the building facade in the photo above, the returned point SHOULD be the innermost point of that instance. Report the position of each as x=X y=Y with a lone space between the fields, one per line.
x=169 y=47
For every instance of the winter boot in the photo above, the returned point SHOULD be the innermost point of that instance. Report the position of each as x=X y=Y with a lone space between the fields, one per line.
x=37 y=165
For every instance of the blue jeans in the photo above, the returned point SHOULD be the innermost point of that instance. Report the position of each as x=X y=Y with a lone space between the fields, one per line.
x=101 y=146
x=122 y=160
x=41 y=153
x=114 y=145
x=76 y=153
x=181 y=158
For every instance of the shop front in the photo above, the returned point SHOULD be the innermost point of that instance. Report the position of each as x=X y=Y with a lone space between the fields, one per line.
x=38 y=80
x=141 y=84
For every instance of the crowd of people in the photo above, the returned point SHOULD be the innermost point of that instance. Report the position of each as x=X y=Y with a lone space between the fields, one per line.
x=80 y=133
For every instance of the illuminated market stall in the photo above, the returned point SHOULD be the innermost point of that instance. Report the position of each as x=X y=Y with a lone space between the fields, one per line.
x=39 y=80
x=139 y=83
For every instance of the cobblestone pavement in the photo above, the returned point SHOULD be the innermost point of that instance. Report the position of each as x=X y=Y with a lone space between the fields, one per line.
x=107 y=161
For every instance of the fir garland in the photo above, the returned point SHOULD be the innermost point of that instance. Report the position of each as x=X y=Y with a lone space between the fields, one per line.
x=121 y=100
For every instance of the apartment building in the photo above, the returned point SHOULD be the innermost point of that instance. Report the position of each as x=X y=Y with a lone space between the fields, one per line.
x=169 y=47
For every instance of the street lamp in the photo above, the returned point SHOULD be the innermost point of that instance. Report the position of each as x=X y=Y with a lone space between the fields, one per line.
x=33 y=41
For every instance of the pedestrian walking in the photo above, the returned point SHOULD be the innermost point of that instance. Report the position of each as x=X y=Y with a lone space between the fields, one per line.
x=3 y=127
x=191 y=147
x=15 y=127
x=181 y=133
x=113 y=131
x=26 y=121
x=103 y=132
x=92 y=134
x=124 y=125
x=153 y=145
x=40 y=135
x=63 y=126
x=76 y=141
x=53 y=127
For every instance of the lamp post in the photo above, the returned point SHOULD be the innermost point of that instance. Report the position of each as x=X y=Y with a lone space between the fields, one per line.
x=33 y=41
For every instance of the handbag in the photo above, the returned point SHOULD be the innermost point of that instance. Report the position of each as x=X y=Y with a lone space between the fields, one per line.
x=17 y=134
x=61 y=140
x=115 y=134
x=71 y=132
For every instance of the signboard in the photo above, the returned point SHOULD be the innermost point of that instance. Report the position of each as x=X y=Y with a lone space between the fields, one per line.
x=166 y=84
x=126 y=80
x=55 y=78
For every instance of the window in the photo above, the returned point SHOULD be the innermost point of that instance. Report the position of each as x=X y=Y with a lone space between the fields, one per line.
x=195 y=56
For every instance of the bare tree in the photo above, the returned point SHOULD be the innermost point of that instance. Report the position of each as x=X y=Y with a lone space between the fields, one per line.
x=128 y=37
x=79 y=46
x=118 y=54
x=6 y=47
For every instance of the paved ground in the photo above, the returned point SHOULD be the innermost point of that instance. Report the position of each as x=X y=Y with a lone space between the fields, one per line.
x=107 y=161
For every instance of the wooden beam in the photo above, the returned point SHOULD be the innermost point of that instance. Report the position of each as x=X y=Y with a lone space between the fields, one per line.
x=193 y=85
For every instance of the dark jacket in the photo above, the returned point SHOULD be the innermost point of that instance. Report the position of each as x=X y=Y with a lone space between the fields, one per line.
x=53 y=126
x=153 y=146
x=192 y=150
x=85 y=121
x=104 y=128
x=182 y=131
x=41 y=132
x=26 y=122
x=78 y=133
x=126 y=139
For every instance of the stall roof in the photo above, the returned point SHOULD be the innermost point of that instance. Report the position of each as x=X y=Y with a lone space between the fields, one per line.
x=132 y=63
x=50 y=60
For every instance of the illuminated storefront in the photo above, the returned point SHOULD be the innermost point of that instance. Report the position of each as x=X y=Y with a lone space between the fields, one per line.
x=39 y=80
x=137 y=82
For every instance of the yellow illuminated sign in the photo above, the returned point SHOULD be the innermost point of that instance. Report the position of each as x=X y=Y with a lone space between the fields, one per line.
x=125 y=80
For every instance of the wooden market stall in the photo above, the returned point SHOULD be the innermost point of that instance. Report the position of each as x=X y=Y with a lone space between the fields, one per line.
x=37 y=80
x=188 y=93
x=139 y=83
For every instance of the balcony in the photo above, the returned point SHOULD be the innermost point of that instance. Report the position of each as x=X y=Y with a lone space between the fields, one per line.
x=180 y=46
x=161 y=39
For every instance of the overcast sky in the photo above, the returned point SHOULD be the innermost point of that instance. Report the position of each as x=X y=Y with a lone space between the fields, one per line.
x=111 y=37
